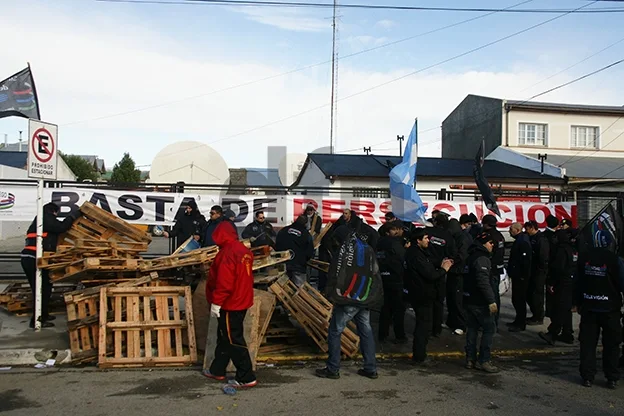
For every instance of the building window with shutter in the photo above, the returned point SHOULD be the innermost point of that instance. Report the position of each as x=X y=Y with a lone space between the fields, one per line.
x=531 y=134
x=584 y=137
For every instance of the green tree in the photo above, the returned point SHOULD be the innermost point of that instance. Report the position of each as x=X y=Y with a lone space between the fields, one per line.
x=125 y=172
x=81 y=168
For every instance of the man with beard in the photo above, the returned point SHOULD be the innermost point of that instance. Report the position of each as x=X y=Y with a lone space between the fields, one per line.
x=420 y=280
x=391 y=257
x=519 y=269
x=260 y=232
x=190 y=224
x=560 y=285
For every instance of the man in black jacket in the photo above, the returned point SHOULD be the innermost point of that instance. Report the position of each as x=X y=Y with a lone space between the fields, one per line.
x=441 y=246
x=552 y=225
x=260 y=232
x=391 y=258
x=539 y=272
x=454 y=279
x=480 y=304
x=295 y=237
x=420 y=280
x=498 y=259
x=216 y=216
x=560 y=285
x=52 y=228
x=190 y=224
x=314 y=221
x=598 y=300
x=519 y=270
x=364 y=231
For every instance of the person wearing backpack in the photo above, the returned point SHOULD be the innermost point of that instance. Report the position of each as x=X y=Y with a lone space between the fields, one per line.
x=354 y=286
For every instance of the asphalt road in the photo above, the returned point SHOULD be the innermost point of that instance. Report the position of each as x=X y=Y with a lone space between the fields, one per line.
x=526 y=386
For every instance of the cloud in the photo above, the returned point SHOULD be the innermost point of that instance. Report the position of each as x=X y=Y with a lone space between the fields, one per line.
x=386 y=24
x=365 y=41
x=287 y=19
x=113 y=65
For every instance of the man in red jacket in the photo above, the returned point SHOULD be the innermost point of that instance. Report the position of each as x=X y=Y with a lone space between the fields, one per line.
x=229 y=291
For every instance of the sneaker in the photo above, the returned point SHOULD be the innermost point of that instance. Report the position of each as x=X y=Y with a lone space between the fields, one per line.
x=548 y=337
x=487 y=367
x=470 y=365
x=534 y=322
x=239 y=385
x=48 y=318
x=325 y=373
x=458 y=331
x=208 y=374
x=515 y=329
x=372 y=375
x=587 y=383
x=611 y=384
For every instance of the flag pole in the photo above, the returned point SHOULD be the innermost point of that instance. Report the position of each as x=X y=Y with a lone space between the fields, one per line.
x=416 y=132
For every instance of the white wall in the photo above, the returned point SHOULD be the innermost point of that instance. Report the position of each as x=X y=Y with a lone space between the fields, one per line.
x=559 y=132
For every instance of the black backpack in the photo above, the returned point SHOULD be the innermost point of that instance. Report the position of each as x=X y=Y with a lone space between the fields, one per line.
x=354 y=278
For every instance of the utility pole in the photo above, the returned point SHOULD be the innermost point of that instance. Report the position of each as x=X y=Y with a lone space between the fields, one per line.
x=333 y=83
x=367 y=150
x=400 y=139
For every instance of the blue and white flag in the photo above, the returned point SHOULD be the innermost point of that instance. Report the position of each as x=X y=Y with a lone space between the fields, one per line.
x=406 y=203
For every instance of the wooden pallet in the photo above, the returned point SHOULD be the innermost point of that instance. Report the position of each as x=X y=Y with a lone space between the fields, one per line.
x=83 y=322
x=191 y=258
x=78 y=270
x=153 y=320
x=17 y=298
x=99 y=224
x=275 y=258
x=313 y=312
x=319 y=265
x=319 y=237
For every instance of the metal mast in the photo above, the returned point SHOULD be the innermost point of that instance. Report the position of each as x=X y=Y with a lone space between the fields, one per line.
x=334 y=75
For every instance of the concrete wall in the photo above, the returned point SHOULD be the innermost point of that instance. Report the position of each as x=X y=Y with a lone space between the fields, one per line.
x=559 y=133
x=475 y=119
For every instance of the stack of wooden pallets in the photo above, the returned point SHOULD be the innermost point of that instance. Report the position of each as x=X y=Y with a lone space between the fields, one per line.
x=17 y=297
x=313 y=313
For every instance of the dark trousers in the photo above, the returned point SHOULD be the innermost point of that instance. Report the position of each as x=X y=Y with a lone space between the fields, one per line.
x=495 y=283
x=561 y=311
x=438 y=307
x=323 y=255
x=536 y=296
x=519 y=292
x=231 y=345
x=422 y=329
x=393 y=311
x=591 y=324
x=455 y=301
x=29 y=265
x=479 y=317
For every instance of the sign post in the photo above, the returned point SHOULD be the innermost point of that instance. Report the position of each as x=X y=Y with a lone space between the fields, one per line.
x=42 y=164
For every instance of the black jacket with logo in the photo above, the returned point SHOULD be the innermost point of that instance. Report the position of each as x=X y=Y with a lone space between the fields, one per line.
x=295 y=237
x=519 y=265
x=562 y=264
x=391 y=260
x=421 y=275
x=477 y=288
x=600 y=282
x=441 y=245
x=541 y=254
x=262 y=232
x=186 y=226
x=498 y=254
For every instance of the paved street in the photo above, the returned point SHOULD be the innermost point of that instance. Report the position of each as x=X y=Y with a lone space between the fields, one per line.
x=527 y=385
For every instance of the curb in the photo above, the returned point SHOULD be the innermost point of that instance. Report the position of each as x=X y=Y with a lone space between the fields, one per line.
x=26 y=356
x=408 y=355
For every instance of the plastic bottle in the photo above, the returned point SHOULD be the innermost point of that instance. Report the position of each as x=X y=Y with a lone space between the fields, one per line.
x=229 y=390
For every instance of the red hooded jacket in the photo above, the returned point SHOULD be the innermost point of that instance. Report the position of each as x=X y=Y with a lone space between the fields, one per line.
x=230 y=280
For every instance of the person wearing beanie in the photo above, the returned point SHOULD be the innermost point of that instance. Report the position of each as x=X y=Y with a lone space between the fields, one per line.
x=539 y=273
x=498 y=258
x=480 y=304
x=475 y=227
x=296 y=238
x=190 y=223
x=598 y=299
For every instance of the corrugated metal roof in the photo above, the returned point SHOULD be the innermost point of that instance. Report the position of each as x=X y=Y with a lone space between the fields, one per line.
x=14 y=159
x=578 y=108
x=589 y=167
x=374 y=166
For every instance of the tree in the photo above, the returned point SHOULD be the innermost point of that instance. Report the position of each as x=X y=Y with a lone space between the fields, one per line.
x=125 y=172
x=81 y=168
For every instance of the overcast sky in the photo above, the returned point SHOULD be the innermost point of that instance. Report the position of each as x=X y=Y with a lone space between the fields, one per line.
x=92 y=60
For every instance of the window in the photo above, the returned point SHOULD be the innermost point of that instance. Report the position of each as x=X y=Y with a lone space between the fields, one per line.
x=583 y=136
x=371 y=193
x=532 y=134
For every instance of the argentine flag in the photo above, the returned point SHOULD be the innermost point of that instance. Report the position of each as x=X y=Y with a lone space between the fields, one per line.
x=406 y=203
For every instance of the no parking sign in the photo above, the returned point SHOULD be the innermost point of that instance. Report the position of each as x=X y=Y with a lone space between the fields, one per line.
x=42 y=150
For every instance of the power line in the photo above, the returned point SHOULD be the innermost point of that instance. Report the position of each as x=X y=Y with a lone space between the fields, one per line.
x=285 y=4
x=585 y=147
x=303 y=68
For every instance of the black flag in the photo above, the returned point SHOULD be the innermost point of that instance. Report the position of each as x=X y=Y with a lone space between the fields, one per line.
x=609 y=221
x=482 y=184
x=18 y=96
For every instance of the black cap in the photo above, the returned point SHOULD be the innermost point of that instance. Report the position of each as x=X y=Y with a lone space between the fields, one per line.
x=464 y=219
x=484 y=237
x=390 y=215
x=489 y=220
x=473 y=218
x=567 y=222
x=552 y=221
